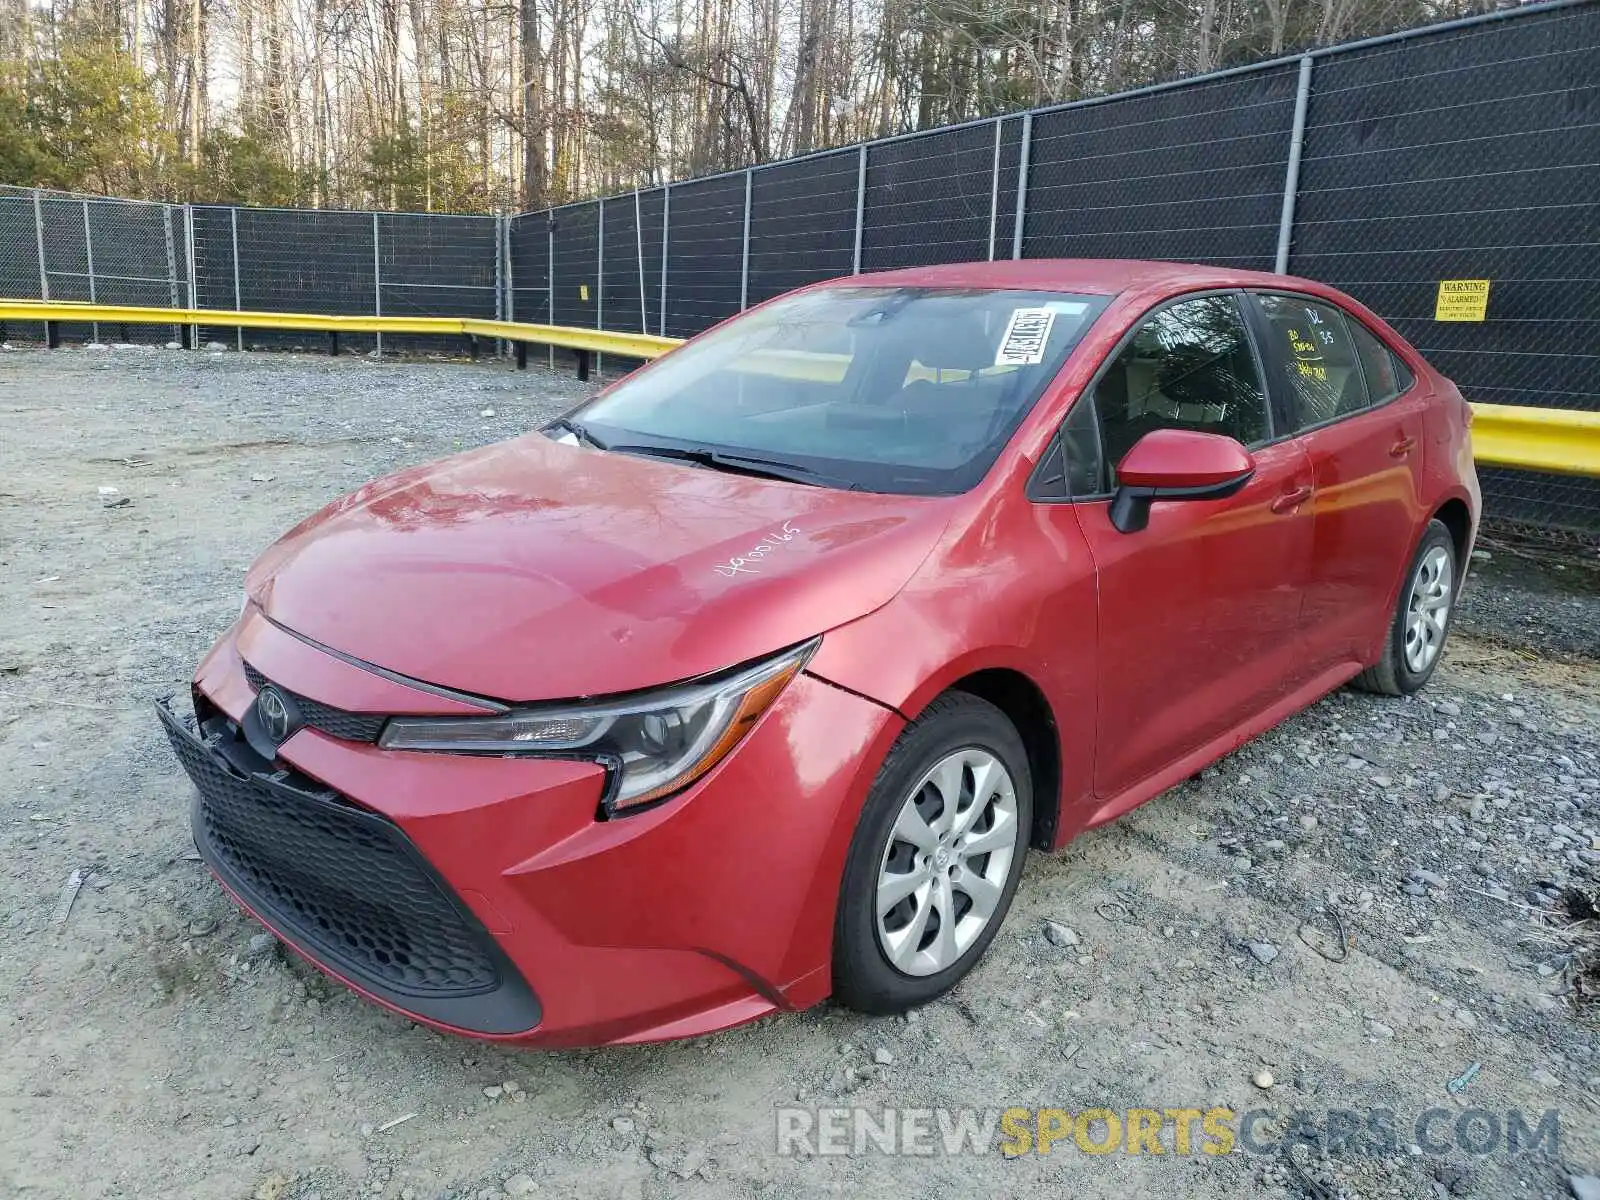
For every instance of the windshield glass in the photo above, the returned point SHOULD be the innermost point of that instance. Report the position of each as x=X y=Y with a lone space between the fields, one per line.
x=911 y=390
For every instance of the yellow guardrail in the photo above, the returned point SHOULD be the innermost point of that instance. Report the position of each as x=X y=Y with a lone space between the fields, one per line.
x=601 y=341
x=1536 y=439
x=584 y=341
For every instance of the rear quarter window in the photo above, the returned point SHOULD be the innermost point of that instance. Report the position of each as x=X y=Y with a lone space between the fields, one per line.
x=1387 y=376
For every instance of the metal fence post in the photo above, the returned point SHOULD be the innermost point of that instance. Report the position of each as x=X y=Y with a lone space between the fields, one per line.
x=638 y=241
x=744 y=252
x=88 y=255
x=172 y=262
x=666 y=226
x=238 y=305
x=994 y=188
x=508 y=300
x=377 y=282
x=1022 y=183
x=499 y=282
x=861 y=206
x=499 y=273
x=189 y=256
x=600 y=284
x=38 y=235
x=550 y=280
x=1291 y=176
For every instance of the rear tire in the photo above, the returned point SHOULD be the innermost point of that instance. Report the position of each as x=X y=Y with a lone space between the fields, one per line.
x=936 y=857
x=1421 y=621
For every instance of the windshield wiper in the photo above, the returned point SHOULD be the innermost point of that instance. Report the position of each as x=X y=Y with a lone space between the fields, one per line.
x=741 y=464
x=578 y=431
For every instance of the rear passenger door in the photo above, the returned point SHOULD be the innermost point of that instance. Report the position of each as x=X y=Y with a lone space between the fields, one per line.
x=1359 y=414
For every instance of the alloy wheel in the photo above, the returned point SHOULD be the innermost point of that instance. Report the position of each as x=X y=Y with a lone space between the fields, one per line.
x=944 y=870
x=1428 y=611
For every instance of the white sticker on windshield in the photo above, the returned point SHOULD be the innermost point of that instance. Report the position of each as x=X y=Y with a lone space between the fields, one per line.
x=1025 y=338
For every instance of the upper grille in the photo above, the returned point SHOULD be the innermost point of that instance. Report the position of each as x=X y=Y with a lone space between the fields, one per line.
x=335 y=722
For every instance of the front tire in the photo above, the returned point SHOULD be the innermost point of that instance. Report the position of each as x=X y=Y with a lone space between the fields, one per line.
x=936 y=857
x=1421 y=622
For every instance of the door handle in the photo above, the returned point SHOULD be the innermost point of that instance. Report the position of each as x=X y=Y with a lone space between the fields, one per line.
x=1403 y=447
x=1290 y=501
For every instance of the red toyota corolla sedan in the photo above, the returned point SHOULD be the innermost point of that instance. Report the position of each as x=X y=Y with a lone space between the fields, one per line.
x=753 y=680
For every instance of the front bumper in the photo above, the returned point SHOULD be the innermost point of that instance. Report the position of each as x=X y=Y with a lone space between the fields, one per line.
x=344 y=884
x=517 y=911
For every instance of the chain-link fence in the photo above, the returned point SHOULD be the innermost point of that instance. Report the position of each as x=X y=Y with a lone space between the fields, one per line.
x=1193 y=173
x=55 y=247
x=1474 y=154
x=1467 y=150
x=59 y=247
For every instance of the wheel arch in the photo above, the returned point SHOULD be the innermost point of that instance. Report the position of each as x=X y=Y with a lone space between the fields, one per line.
x=1024 y=704
x=1457 y=518
x=1454 y=511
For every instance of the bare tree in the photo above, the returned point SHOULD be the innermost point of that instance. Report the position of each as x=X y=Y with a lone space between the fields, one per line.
x=480 y=103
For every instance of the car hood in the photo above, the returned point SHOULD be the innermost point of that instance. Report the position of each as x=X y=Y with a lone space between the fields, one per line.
x=532 y=570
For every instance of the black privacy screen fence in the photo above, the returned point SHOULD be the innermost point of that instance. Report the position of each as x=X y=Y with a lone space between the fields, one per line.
x=1465 y=151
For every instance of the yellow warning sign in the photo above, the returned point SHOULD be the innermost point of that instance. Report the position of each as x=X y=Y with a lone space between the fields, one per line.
x=1462 y=300
x=583 y=293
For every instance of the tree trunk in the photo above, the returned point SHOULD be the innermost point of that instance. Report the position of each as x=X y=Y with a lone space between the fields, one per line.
x=533 y=132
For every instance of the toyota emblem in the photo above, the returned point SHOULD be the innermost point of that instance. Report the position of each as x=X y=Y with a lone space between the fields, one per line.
x=274 y=713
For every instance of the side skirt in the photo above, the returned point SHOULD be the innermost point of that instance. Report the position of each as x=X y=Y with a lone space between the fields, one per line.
x=1181 y=769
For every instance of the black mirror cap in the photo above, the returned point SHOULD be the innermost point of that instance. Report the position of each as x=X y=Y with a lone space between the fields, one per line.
x=1130 y=506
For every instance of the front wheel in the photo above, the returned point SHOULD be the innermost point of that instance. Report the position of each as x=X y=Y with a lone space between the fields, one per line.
x=936 y=857
x=1421 y=620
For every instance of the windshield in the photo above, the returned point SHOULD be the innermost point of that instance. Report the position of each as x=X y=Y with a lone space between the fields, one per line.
x=910 y=390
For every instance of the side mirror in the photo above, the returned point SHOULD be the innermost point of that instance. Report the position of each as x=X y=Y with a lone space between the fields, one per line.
x=1176 y=464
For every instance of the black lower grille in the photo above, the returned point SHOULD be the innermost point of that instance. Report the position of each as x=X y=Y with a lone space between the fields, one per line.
x=335 y=722
x=344 y=884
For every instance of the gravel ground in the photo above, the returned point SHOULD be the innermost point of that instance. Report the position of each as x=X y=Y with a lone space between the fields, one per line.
x=157 y=1045
x=1543 y=599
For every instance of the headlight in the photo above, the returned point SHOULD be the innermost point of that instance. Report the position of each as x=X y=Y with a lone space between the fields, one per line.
x=657 y=743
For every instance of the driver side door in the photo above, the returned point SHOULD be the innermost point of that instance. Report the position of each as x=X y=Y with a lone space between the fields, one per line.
x=1199 y=611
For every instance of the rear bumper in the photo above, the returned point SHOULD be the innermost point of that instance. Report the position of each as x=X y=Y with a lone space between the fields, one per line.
x=713 y=909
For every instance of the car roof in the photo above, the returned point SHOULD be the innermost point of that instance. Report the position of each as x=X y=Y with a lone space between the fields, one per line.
x=1090 y=276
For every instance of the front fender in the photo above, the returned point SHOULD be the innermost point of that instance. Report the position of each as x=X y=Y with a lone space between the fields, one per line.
x=965 y=613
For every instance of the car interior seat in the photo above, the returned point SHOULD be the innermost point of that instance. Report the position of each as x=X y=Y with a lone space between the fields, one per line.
x=1338 y=390
x=938 y=381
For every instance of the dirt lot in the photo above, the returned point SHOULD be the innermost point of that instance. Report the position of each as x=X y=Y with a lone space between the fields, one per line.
x=151 y=1051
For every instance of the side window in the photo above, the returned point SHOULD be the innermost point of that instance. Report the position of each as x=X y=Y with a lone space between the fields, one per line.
x=1080 y=442
x=1323 y=375
x=1189 y=366
x=1386 y=375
